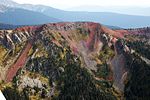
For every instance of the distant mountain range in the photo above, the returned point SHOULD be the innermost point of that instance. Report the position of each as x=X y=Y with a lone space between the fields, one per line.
x=130 y=10
x=19 y=16
x=27 y=14
x=7 y=26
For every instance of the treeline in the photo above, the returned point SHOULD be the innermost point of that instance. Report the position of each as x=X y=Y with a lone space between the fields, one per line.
x=138 y=85
x=64 y=69
x=140 y=47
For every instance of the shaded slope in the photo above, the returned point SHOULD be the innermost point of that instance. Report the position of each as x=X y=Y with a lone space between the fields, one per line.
x=18 y=16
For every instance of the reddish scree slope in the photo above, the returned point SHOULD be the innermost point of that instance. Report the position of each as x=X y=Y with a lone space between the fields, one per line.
x=19 y=63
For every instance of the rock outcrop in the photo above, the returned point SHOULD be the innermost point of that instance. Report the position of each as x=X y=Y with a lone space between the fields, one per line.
x=48 y=49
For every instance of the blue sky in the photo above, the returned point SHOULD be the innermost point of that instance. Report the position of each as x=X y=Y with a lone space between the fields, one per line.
x=63 y=4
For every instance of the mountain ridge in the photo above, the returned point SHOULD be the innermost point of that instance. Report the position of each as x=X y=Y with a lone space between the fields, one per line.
x=26 y=17
x=114 y=19
x=56 y=56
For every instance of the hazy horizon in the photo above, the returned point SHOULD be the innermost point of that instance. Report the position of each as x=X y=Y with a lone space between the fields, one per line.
x=129 y=10
x=134 y=7
x=66 y=4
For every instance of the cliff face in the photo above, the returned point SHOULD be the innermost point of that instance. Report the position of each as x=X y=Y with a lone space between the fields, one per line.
x=50 y=48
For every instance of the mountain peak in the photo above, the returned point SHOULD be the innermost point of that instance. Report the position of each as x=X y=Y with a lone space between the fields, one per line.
x=67 y=26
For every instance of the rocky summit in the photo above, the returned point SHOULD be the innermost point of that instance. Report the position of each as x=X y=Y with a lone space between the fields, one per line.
x=74 y=61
